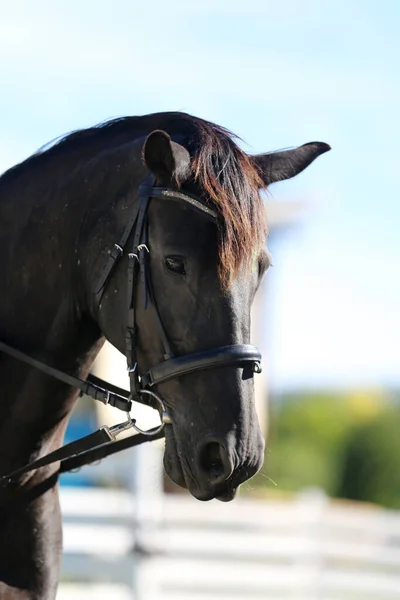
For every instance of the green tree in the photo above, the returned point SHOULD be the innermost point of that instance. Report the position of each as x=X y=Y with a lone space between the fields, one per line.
x=347 y=444
x=371 y=462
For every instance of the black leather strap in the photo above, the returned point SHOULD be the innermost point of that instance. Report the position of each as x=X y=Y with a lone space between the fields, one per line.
x=98 y=382
x=91 y=456
x=115 y=253
x=146 y=400
x=97 y=393
x=166 y=193
x=136 y=258
x=86 y=450
x=98 y=438
x=198 y=361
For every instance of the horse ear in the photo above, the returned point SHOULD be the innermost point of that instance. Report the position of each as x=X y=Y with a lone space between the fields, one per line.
x=166 y=159
x=277 y=166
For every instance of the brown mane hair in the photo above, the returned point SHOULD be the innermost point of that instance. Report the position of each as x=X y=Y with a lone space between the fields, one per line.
x=232 y=183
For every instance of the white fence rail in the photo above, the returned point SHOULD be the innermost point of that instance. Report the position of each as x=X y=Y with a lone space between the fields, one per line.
x=304 y=549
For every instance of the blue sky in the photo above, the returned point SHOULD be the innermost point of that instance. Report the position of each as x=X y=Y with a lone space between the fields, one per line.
x=277 y=74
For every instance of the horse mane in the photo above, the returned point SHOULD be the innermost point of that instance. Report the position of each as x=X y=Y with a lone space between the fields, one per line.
x=226 y=174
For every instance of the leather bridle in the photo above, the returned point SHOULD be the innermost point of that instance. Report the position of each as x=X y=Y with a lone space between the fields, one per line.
x=103 y=442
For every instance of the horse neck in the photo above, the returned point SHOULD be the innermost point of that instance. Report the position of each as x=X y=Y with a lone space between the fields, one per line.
x=58 y=240
x=34 y=407
x=40 y=315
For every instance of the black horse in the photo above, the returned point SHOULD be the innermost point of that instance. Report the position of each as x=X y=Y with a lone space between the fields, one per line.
x=60 y=213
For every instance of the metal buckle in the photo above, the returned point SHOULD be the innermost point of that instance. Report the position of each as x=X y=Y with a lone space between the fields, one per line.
x=130 y=423
x=138 y=249
x=115 y=430
x=116 y=251
x=164 y=416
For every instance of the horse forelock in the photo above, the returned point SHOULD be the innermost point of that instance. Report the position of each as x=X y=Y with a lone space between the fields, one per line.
x=232 y=184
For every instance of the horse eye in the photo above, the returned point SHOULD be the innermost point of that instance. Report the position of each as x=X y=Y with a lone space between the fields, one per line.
x=175 y=264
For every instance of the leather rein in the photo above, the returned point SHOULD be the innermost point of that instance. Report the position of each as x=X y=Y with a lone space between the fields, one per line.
x=103 y=442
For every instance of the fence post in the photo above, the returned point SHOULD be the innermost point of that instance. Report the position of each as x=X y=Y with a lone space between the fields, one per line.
x=145 y=481
x=147 y=487
x=308 y=556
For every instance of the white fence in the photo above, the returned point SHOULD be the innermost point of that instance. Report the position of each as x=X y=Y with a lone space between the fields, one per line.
x=304 y=549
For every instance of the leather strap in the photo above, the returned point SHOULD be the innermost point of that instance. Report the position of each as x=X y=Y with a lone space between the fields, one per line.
x=86 y=450
x=115 y=253
x=163 y=192
x=98 y=438
x=96 y=454
x=198 y=361
x=135 y=261
x=87 y=387
x=98 y=382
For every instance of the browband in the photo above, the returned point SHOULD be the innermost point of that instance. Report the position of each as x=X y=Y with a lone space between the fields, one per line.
x=163 y=192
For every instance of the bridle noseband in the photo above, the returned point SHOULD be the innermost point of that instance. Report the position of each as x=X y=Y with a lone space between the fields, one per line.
x=139 y=275
x=103 y=442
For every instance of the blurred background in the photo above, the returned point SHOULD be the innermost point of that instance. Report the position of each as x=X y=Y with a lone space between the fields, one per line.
x=321 y=520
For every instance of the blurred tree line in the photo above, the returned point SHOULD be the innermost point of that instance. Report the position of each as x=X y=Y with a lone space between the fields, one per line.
x=347 y=444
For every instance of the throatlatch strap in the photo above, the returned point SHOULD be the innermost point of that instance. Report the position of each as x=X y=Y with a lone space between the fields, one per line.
x=98 y=382
x=145 y=399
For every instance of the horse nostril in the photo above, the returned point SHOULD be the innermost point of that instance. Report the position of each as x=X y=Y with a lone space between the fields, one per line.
x=214 y=462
